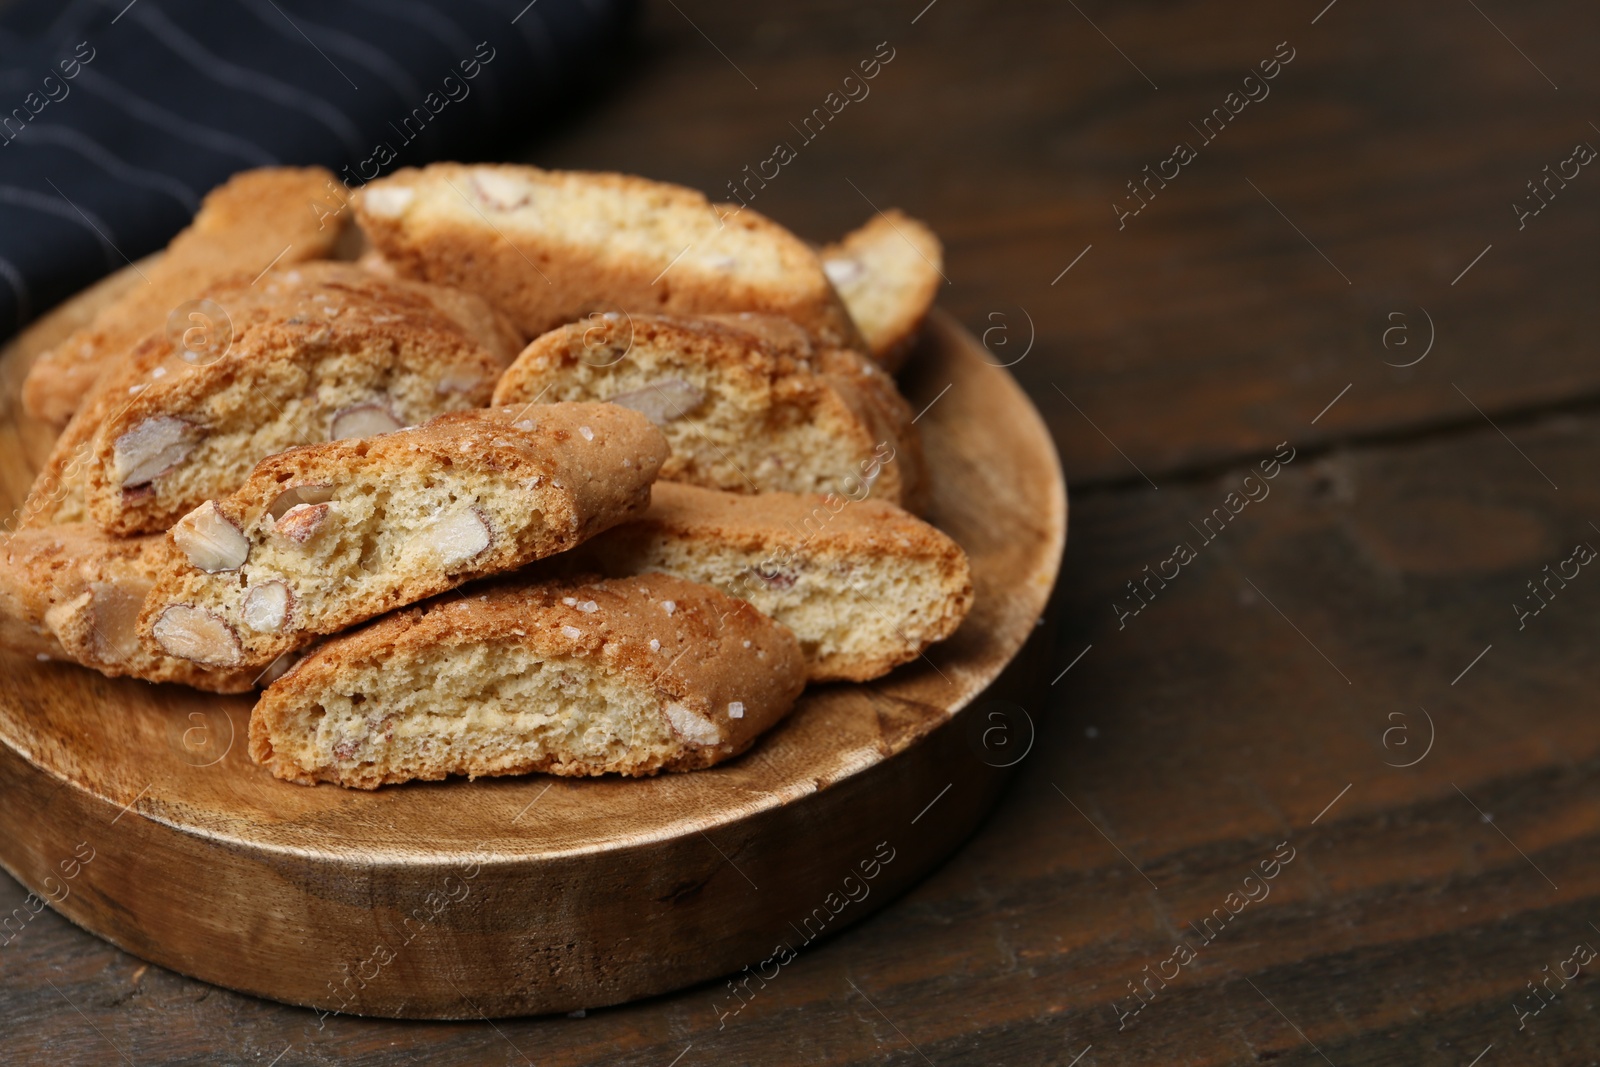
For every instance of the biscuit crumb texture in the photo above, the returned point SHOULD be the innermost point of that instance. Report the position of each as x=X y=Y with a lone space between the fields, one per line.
x=888 y=272
x=320 y=351
x=548 y=247
x=746 y=401
x=576 y=678
x=326 y=536
x=72 y=593
x=863 y=585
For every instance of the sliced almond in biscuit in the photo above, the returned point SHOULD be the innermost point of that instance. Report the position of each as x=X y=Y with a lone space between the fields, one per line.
x=300 y=523
x=363 y=420
x=266 y=606
x=456 y=538
x=192 y=633
x=299 y=494
x=152 y=448
x=210 y=540
x=661 y=401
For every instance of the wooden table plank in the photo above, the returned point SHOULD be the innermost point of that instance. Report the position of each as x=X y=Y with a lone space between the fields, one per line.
x=1246 y=706
x=1207 y=327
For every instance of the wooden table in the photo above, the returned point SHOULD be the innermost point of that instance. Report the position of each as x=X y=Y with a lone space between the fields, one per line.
x=1324 y=788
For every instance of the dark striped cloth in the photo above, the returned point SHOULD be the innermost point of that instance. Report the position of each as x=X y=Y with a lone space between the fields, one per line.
x=116 y=117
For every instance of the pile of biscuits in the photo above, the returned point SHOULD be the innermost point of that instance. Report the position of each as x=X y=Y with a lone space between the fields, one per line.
x=498 y=470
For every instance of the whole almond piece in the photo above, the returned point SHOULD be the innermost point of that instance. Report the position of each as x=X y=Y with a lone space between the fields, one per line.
x=150 y=449
x=193 y=633
x=301 y=522
x=457 y=537
x=211 y=540
x=363 y=420
x=266 y=606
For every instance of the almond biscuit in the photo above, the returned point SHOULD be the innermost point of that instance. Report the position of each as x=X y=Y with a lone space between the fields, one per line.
x=626 y=676
x=282 y=215
x=326 y=351
x=309 y=352
x=864 y=585
x=747 y=402
x=325 y=536
x=71 y=592
x=547 y=247
x=888 y=272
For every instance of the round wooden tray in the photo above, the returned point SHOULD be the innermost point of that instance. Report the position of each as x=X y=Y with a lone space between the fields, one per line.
x=135 y=811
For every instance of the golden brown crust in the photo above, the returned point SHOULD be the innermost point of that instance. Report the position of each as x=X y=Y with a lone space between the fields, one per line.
x=775 y=523
x=716 y=658
x=487 y=325
x=888 y=271
x=776 y=412
x=71 y=592
x=643 y=246
x=783 y=551
x=262 y=313
x=537 y=479
x=242 y=225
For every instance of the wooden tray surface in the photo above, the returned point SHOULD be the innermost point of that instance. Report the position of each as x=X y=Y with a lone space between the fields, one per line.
x=537 y=894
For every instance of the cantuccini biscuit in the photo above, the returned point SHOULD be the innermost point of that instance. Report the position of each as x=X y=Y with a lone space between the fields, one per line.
x=746 y=401
x=312 y=352
x=284 y=215
x=325 y=536
x=326 y=351
x=888 y=272
x=548 y=247
x=629 y=676
x=864 y=585
x=71 y=592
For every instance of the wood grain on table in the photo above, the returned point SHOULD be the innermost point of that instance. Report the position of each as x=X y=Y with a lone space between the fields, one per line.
x=1360 y=615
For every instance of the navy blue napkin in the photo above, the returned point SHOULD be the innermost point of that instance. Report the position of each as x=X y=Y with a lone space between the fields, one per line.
x=117 y=117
